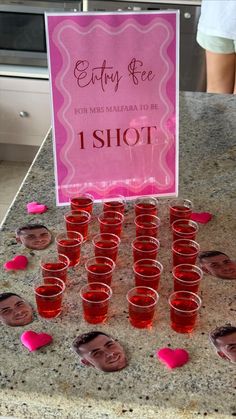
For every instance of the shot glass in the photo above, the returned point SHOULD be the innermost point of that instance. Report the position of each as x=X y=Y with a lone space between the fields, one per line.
x=184 y=308
x=142 y=303
x=187 y=277
x=147 y=273
x=145 y=247
x=115 y=204
x=82 y=202
x=107 y=245
x=100 y=269
x=55 y=266
x=146 y=205
x=111 y=222
x=185 y=251
x=179 y=209
x=48 y=296
x=95 y=301
x=147 y=225
x=78 y=221
x=69 y=244
x=184 y=229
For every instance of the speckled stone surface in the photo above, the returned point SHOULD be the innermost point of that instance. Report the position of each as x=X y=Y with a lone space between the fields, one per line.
x=50 y=383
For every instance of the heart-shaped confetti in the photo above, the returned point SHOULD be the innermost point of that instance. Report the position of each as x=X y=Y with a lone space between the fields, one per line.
x=201 y=217
x=19 y=262
x=36 y=208
x=33 y=341
x=173 y=358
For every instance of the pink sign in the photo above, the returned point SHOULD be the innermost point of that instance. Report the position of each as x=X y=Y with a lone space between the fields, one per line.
x=114 y=83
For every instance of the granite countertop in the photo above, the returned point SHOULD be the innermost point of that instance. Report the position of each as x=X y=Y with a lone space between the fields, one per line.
x=50 y=382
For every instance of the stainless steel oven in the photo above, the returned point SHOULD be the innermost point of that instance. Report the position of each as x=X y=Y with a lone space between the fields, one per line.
x=22 y=29
x=192 y=59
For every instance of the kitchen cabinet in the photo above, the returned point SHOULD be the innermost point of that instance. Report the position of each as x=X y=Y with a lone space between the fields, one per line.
x=24 y=110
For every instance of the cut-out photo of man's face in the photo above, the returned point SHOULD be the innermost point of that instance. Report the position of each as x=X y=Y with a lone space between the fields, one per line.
x=224 y=340
x=101 y=351
x=34 y=236
x=14 y=310
x=217 y=264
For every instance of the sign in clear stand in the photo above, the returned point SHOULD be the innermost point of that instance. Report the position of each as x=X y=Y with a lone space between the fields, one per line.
x=114 y=83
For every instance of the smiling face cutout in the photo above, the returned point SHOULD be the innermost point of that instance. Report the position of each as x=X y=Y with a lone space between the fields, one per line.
x=227 y=346
x=100 y=351
x=224 y=340
x=218 y=264
x=14 y=311
x=34 y=236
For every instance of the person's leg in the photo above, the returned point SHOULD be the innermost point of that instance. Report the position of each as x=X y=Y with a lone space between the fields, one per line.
x=220 y=72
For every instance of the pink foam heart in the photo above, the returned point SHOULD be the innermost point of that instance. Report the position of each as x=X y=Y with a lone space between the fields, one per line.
x=201 y=217
x=173 y=358
x=36 y=208
x=19 y=262
x=33 y=341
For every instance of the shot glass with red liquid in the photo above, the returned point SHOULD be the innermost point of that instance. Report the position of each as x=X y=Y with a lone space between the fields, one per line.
x=146 y=205
x=55 y=266
x=185 y=251
x=145 y=247
x=69 y=244
x=78 y=221
x=95 y=301
x=147 y=273
x=115 y=204
x=100 y=269
x=187 y=277
x=184 y=309
x=142 y=304
x=184 y=229
x=111 y=222
x=82 y=202
x=147 y=225
x=107 y=245
x=179 y=209
x=48 y=296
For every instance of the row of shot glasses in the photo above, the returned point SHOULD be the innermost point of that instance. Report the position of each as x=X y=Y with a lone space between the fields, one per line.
x=147 y=270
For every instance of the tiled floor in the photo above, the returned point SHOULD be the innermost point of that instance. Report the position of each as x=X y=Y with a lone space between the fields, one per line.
x=11 y=177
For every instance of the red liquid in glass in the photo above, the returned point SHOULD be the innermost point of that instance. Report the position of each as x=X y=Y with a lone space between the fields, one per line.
x=145 y=208
x=183 y=322
x=150 y=276
x=177 y=212
x=111 y=225
x=189 y=230
x=147 y=229
x=100 y=273
x=71 y=249
x=145 y=250
x=114 y=206
x=141 y=316
x=188 y=285
x=106 y=248
x=188 y=255
x=82 y=203
x=95 y=310
x=55 y=270
x=78 y=223
x=49 y=307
